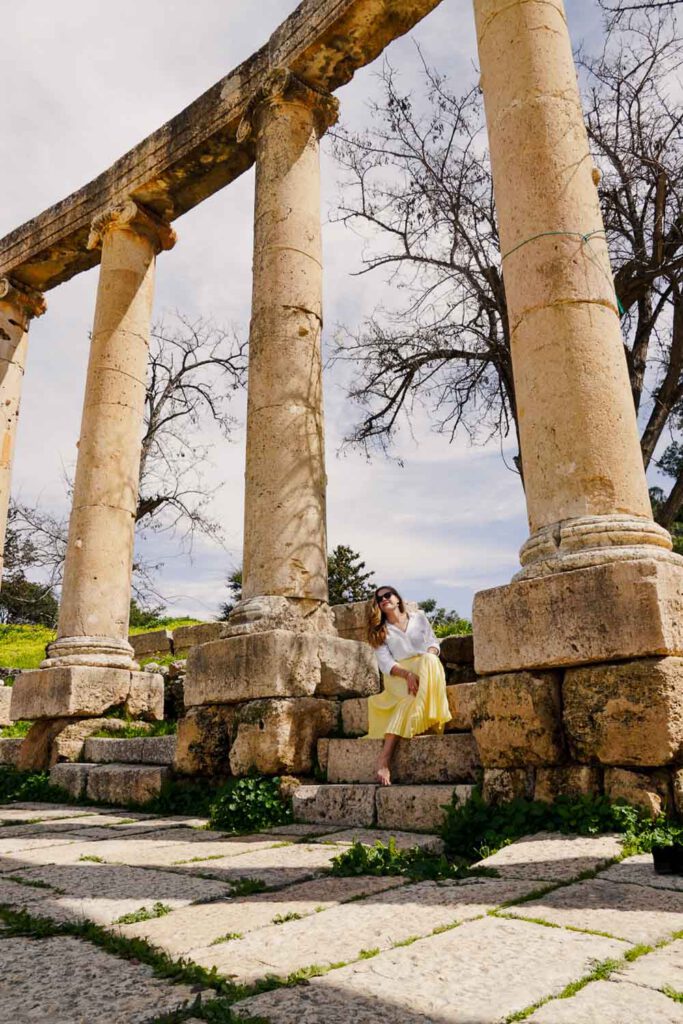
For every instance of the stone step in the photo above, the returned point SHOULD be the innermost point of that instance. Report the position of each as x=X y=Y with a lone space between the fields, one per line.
x=111 y=783
x=460 y=703
x=141 y=750
x=408 y=808
x=452 y=757
x=9 y=749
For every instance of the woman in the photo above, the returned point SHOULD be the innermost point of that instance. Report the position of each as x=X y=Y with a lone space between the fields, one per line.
x=414 y=696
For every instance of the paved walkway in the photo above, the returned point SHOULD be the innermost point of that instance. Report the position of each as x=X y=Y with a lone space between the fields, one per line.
x=541 y=942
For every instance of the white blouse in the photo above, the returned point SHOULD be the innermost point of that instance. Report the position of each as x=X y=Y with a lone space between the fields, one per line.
x=418 y=636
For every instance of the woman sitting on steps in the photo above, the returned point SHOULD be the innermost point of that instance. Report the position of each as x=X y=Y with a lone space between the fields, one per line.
x=414 y=696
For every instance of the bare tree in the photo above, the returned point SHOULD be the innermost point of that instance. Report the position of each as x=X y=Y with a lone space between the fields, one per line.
x=194 y=369
x=418 y=186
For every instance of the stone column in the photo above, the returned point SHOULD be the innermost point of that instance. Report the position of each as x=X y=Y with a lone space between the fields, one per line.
x=18 y=305
x=583 y=470
x=90 y=666
x=285 y=544
x=94 y=608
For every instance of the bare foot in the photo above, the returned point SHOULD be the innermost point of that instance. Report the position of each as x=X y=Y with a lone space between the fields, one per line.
x=384 y=776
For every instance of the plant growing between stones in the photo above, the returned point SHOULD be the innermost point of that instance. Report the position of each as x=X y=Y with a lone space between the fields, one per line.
x=418 y=865
x=249 y=805
x=283 y=918
x=144 y=914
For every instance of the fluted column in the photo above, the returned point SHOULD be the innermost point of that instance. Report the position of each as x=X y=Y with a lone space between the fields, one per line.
x=18 y=305
x=586 y=493
x=285 y=545
x=94 y=608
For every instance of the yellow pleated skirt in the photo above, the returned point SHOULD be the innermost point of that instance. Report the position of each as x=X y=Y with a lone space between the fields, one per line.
x=395 y=711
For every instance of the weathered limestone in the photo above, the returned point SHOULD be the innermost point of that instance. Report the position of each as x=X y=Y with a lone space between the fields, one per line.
x=5 y=702
x=73 y=777
x=677 y=780
x=278 y=663
x=461 y=704
x=340 y=805
x=17 y=307
x=185 y=637
x=82 y=692
x=424 y=759
x=417 y=808
x=156 y=642
x=504 y=784
x=650 y=792
x=203 y=741
x=628 y=713
x=272 y=736
x=125 y=784
x=10 y=748
x=141 y=750
x=517 y=719
x=285 y=544
x=566 y=780
x=93 y=614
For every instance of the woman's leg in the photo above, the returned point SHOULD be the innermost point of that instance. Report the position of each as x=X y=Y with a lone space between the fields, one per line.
x=383 y=771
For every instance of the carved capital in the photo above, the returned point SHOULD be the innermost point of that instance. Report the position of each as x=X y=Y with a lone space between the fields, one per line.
x=281 y=86
x=27 y=301
x=129 y=215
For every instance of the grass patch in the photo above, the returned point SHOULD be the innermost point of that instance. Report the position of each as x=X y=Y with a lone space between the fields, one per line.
x=163 y=623
x=283 y=918
x=247 y=886
x=92 y=858
x=133 y=731
x=29 y=786
x=673 y=994
x=228 y=937
x=144 y=914
x=16 y=730
x=24 y=646
x=415 y=863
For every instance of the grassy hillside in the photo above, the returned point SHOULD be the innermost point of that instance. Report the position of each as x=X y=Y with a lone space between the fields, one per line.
x=24 y=646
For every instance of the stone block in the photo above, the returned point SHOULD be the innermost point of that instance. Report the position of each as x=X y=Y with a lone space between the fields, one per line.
x=677 y=779
x=141 y=750
x=461 y=699
x=146 y=697
x=275 y=736
x=504 y=784
x=71 y=777
x=460 y=674
x=84 y=692
x=323 y=754
x=650 y=792
x=10 y=748
x=354 y=714
x=629 y=713
x=424 y=759
x=203 y=741
x=351 y=620
x=125 y=784
x=347 y=668
x=36 y=748
x=567 y=780
x=417 y=808
x=338 y=805
x=156 y=642
x=186 y=637
x=69 y=742
x=628 y=609
x=458 y=650
x=5 y=701
x=517 y=719
x=278 y=663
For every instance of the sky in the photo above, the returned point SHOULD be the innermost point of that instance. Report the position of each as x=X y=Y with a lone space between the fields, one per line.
x=81 y=85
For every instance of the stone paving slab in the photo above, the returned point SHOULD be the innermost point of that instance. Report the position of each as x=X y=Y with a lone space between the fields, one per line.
x=632 y=912
x=370 y=836
x=103 y=893
x=64 y=980
x=606 y=1002
x=299 y=828
x=41 y=812
x=552 y=857
x=275 y=866
x=22 y=897
x=154 y=849
x=444 y=979
x=640 y=870
x=199 y=926
x=15 y=846
x=658 y=969
x=343 y=933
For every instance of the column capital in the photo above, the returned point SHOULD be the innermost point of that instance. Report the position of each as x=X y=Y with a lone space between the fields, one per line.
x=27 y=300
x=282 y=86
x=129 y=215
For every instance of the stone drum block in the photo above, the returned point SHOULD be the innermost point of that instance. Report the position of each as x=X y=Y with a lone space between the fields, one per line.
x=517 y=719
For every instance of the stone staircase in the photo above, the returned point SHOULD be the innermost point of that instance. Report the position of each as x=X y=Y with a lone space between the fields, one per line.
x=118 y=770
x=427 y=771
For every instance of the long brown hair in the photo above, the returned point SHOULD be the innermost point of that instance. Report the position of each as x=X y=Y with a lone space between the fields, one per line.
x=377 y=620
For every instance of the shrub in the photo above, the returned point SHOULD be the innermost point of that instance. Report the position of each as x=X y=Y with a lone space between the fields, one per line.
x=250 y=804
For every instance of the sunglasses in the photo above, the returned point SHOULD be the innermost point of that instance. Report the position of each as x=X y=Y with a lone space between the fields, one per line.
x=385 y=596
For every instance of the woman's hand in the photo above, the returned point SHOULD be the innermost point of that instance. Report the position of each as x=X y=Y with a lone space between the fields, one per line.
x=413 y=683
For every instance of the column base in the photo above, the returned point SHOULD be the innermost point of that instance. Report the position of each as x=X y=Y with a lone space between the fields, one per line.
x=80 y=691
x=95 y=651
x=271 y=611
x=263 y=699
x=622 y=609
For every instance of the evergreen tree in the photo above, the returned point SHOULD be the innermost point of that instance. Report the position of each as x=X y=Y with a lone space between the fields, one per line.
x=345 y=576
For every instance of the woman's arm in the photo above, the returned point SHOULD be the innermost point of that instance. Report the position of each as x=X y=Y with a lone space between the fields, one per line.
x=432 y=644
